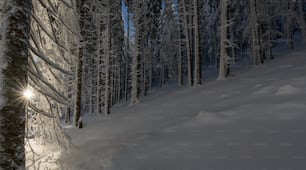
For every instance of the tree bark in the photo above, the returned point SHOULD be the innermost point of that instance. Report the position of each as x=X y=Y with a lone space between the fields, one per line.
x=197 y=61
x=107 y=94
x=12 y=114
x=179 y=67
x=301 y=19
x=135 y=61
x=288 y=26
x=255 y=33
x=78 y=99
x=223 y=52
x=186 y=24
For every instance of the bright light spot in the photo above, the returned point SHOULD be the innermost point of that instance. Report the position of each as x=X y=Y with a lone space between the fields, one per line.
x=28 y=94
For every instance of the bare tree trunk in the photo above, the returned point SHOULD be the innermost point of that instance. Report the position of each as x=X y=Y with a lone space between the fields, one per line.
x=15 y=81
x=151 y=72
x=270 y=40
x=143 y=74
x=119 y=85
x=301 y=18
x=289 y=32
x=135 y=62
x=107 y=64
x=135 y=70
x=260 y=40
x=126 y=81
x=78 y=95
x=180 y=48
x=128 y=53
x=186 y=24
x=223 y=53
x=288 y=25
x=98 y=72
x=197 y=61
x=77 y=110
x=150 y=78
x=179 y=67
x=161 y=75
x=255 y=33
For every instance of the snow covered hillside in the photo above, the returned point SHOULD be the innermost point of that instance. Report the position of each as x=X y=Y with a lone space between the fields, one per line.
x=253 y=120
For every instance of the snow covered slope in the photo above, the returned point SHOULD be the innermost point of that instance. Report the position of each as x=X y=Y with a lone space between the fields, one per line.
x=254 y=120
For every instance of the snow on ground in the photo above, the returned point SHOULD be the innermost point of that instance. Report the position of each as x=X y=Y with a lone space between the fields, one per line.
x=253 y=120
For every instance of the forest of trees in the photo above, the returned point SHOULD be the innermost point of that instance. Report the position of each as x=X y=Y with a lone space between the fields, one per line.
x=83 y=57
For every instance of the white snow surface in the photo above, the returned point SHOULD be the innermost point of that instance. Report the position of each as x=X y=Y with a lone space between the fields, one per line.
x=253 y=120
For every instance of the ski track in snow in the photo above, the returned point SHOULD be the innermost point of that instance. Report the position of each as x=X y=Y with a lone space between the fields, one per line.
x=254 y=120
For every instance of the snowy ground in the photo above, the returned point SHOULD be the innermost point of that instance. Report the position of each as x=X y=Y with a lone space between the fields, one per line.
x=253 y=120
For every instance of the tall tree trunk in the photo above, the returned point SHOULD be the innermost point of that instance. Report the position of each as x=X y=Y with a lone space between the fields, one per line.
x=288 y=24
x=128 y=53
x=223 y=52
x=99 y=54
x=301 y=18
x=270 y=55
x=260 y=42
x=179 y=67
x=78 y=99
x=186 y=24
x=135 y=62
x=255 y=33
x=197 y=61
x=119 y=85
x=289 y=31
x=12 y=114
x=107 y=94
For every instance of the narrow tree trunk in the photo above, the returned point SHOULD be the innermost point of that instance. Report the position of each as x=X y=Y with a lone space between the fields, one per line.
x=301 y=18
x=77 y=110
x=288 y=25
x=143 y=75
x=128 y=53
x=119 y=85
x=260 y=42
x=255 y=33
x=151 y=72
x=98 y=62
x=223 y=52
x=180 y=49
x=179 y=67
x=289 y=32
x=150 y=78
x=77 y=104
x=161 y=76
x=107 y=94
x=186 y=24
x=126 y=81
x=135 y=70
x=197 y=61
x=270 y=39
x=12 y=114
x=135 y=63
